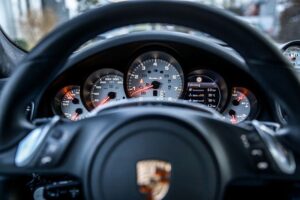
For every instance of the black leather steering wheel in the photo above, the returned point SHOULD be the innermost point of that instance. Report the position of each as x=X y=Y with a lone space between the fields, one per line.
x=199 y=154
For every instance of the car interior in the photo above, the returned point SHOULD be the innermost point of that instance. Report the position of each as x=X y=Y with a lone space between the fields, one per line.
x=150 y=114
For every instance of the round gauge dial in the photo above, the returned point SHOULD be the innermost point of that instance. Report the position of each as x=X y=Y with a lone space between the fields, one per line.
x=68 y=103
x=206 y=87
x=293 y=55
x=155 y=74
x=242 y=105
x=104 y=86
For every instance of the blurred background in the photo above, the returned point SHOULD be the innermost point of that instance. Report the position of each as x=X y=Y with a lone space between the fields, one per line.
x=27 y=21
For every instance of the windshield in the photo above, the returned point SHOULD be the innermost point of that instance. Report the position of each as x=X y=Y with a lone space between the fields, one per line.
x=26 y=22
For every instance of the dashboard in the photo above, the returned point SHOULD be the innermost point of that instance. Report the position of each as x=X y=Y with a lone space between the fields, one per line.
x=156 y=67
x=158 y=75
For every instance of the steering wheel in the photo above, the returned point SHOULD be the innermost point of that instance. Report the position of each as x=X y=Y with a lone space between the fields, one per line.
x=151 y=149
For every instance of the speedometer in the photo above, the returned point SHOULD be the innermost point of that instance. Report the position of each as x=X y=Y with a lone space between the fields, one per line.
x=155 y=74
x=103 y=86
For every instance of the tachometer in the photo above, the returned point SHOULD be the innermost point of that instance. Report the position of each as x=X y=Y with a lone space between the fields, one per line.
x=103 y=86
x=155 y=74
x=68 y=103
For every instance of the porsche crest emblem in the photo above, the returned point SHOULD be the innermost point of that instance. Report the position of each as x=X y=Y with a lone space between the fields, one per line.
x=153 y=178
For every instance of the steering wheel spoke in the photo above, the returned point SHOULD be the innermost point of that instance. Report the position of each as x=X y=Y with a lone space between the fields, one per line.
x=55 y=148
x=252 y=153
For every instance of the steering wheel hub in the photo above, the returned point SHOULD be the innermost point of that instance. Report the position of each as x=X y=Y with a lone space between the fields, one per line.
x=156 y=158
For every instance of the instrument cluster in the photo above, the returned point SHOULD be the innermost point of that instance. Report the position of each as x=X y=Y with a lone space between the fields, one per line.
x=159 y=75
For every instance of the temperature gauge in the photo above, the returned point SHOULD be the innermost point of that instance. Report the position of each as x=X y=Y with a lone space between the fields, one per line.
x=242 y=106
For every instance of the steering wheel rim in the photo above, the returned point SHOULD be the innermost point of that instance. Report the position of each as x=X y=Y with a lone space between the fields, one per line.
x=45 y=60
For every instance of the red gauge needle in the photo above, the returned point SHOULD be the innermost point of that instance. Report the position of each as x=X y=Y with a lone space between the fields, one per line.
x=241 y=97
x=140 y=90
x=104 y=101
x=74 y=116
x=233 y=119
x=110 y=96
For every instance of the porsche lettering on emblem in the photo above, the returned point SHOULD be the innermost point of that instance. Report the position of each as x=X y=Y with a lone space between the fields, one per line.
x=153 y=178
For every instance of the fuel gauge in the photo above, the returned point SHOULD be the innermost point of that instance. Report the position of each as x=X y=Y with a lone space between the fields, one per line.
x=242 y=106
x=68 y=103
